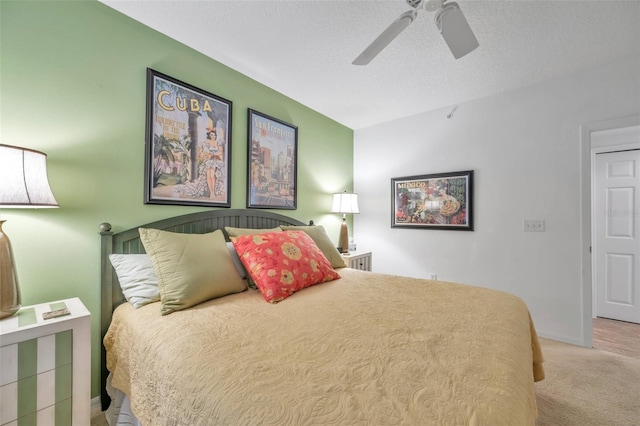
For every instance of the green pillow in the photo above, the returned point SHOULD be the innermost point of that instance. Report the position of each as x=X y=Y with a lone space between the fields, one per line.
x=322 y=240
x=191 y=268
x=236 y=232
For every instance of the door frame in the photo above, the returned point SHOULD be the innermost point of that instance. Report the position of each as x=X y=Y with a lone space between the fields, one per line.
x=588 y=150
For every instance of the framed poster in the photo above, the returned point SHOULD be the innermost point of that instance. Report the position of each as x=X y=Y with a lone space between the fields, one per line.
x=436 y=201
x=188 y=144
x=271 y=163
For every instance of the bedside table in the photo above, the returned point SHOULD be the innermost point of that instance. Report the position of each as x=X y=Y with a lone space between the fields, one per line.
x=358 y=260
x=45 y=366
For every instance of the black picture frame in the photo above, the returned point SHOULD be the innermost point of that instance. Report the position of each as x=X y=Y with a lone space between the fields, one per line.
x=188 y=144
x=433 y=201
x=272 y=162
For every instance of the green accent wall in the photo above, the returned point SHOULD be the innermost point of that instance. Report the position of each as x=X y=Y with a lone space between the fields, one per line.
x=73 y=85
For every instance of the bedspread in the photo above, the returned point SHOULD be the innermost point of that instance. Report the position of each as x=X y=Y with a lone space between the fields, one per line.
x=361 y=350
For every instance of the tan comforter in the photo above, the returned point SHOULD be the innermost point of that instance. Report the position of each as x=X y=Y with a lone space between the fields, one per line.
x=367 y=349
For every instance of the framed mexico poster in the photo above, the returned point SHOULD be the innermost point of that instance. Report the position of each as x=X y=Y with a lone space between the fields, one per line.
x=188 y=144
x=272 y=165
x=434 y=201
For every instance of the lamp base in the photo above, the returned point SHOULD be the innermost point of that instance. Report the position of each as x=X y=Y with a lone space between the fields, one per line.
x=10 y=300
x=343 y=246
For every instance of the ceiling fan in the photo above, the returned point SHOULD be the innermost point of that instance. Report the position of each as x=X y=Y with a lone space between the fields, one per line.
x=449 y=19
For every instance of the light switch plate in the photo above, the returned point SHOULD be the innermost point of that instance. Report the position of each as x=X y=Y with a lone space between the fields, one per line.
x=533 y=225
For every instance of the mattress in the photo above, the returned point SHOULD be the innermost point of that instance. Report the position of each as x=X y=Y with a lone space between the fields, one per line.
x=364 y=349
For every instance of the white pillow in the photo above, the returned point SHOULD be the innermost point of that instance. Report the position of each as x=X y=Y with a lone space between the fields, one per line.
x=137 y=278
x=236 y=261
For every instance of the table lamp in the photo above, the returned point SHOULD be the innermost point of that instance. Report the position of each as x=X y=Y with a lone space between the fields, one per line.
x=23 y=184
x=344 y=203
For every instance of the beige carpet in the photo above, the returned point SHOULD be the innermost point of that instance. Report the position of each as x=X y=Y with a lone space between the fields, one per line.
x=587 y=387
x=99 y=421
x=583 y=387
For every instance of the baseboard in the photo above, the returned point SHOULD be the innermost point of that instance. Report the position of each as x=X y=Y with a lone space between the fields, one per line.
x=96 y=407
x=562 y=339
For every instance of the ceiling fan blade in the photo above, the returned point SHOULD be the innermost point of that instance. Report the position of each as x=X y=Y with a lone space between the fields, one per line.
x=456 y=30
x=386 y=37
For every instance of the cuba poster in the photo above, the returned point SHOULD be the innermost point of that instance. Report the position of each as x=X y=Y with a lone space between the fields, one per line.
x=435 y=201
x=188 y=144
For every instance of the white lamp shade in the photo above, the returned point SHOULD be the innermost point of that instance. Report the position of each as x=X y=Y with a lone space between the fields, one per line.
x=345 y=203
x=23 y=179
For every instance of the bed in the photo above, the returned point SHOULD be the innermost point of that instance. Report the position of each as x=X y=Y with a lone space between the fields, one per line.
x=357 y=348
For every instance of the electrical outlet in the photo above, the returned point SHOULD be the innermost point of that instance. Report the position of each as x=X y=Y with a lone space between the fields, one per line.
x=533 y=225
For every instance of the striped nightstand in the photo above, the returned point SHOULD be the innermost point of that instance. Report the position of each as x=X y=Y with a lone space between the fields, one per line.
x=358 y=260
x=45 y=366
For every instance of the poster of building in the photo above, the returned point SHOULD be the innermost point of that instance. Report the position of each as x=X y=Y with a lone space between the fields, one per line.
x=272 y=162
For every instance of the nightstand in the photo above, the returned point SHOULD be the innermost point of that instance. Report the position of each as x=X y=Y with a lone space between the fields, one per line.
x=358 y=260
x=45 y=366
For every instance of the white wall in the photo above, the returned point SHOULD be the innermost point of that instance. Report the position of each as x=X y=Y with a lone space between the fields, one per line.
x=525 y=149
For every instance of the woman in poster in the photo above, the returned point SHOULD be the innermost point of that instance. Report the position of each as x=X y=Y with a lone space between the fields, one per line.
x=213 y=164
x=448 y=203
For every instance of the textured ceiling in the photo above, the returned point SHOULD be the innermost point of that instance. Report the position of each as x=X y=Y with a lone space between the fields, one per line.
x=304 y=48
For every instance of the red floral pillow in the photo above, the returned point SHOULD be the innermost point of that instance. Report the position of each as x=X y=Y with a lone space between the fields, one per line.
x=282 y=263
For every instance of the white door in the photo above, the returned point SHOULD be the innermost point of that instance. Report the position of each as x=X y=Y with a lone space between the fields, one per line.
x=617 y=242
